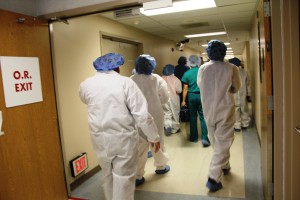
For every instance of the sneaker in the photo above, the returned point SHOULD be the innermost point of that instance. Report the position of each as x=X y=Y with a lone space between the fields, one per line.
x=195 y=141
x=205 y=143
x=213 y=186
x=226 y=171
x=139 y=182
x=163 y=171
x=149 y=154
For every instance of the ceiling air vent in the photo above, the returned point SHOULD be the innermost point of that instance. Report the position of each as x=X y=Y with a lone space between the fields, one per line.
x=128 y=12
x=194 y=25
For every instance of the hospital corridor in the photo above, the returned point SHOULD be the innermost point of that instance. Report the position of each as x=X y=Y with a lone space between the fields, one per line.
x=56 y=124
x=189 y=164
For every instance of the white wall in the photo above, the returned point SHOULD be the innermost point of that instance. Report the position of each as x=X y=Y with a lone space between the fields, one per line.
x=256 y=84
x=75 y=47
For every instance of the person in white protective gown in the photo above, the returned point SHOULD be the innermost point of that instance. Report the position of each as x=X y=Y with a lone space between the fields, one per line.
x=242 y=117
x=116 y=106
x=156 y=92
x=218 y=81
x=172 y=108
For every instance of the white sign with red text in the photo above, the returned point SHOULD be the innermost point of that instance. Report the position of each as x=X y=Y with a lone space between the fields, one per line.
x=78 y=164
x=21 y=80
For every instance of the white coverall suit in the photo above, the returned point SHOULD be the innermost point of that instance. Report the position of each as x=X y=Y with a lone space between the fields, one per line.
x=115 y=106
x=156 y=92
x=217 y=82
x=241 y=105
x=172 y=108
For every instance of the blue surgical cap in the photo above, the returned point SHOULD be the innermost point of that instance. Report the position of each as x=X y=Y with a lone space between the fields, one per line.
x=235 y=61
x=168 y=70
x=182 y=60
x=108 y=62
x=194 y=60
x=145 y=64
x=216 y=50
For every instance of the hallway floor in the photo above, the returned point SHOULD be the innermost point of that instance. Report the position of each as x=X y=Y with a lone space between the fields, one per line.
x=189 y=167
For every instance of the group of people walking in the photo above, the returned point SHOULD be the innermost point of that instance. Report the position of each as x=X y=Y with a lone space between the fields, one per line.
x=127 y=116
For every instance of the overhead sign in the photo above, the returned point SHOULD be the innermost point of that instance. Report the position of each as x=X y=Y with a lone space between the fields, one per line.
x=21 y=80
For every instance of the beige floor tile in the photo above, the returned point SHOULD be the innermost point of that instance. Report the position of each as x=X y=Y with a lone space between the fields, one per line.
x=189 y=168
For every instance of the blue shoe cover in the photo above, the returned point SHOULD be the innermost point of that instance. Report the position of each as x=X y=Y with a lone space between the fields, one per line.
x=168 y=131
x=149 y=154
x=213 y=186
x=163 y=171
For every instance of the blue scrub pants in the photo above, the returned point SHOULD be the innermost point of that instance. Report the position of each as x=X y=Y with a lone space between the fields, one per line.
x=195 y=106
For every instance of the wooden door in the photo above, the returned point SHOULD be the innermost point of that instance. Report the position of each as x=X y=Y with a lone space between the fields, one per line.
x=30 y=150
x=266 y=93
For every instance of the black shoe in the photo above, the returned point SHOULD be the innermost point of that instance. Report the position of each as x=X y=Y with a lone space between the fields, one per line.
x=205 y=143
x=195 y=141
x=213 y=186
x=226 y=171
x=237 y=130
x=244 y=128
x=139 y=182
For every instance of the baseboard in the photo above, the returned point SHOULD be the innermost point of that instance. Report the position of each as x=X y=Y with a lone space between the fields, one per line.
x=84 y=177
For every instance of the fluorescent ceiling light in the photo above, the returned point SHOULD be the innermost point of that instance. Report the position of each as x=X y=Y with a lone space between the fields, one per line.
x=206 y=45
x=205 y=34
x=181 y=6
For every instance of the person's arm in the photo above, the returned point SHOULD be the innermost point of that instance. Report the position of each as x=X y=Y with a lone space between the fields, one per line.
x=184 y=94
x=178 y=86
x=163 y=92
x=138 y=107
x=236 y=80
x=248 y=85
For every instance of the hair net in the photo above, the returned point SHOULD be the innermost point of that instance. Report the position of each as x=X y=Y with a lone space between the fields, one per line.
x=145 y=64
x=108 y=62
x=235 y=61
x=182 y=60
x=194 y=60
x=168 y=70
x=216 y=50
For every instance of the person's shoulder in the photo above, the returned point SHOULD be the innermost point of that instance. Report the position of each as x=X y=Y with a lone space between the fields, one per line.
x=156 y=76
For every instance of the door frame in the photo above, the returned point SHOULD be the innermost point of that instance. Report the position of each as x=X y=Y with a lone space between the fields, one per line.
x=283 y=28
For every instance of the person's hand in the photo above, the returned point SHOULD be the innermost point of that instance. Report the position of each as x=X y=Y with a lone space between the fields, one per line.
x=156 y=146
x=183 y=104
x=249 y=99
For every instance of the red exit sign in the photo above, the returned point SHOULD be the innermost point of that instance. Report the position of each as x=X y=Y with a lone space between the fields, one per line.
x=78 y=164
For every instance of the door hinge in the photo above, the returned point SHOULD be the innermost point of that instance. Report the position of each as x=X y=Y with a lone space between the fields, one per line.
x=267 y=9
x=270 y=103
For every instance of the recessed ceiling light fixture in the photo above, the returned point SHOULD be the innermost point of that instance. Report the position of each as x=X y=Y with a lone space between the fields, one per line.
x=205 y=34
x=180 y=6
x=205 y=45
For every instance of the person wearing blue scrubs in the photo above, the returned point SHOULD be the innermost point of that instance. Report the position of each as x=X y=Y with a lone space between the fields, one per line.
x=192 y=91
